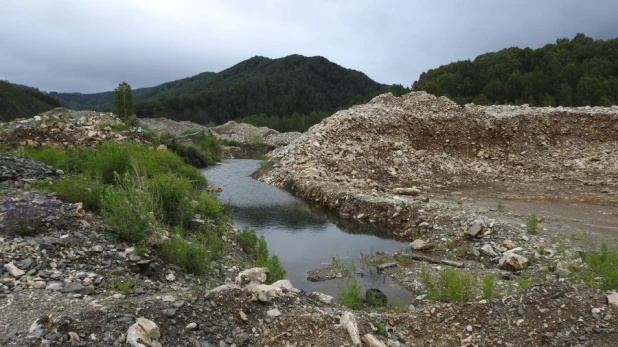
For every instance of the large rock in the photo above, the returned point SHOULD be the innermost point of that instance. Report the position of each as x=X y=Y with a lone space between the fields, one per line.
x=372 y=341
x=143 y=333
x=420 y=245
x=474 y=230
x=324 y=297
x=512 y=261
x=348 y=322
x=255 y=275
x=14 y=270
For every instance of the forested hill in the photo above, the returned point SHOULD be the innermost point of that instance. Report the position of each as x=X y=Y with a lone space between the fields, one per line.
x=576 y=72
x=277 y=87
x=21 y=102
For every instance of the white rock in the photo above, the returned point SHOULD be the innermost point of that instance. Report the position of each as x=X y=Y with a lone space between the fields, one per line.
x=420 y=245
x=273 y=313
x=323 y=297
x=39 y=285
x=146 y=331
x=372 y=341
x=348 y=322
x=284 y=285
x=14 y=270
x=513 y=261
x=170 y=277
x=168 y=298
x=255 y=275
x=224 y=287
x=192 y=326
x=488 y=250
x=97 y=248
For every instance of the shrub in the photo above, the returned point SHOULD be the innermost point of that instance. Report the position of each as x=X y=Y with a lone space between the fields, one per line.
x=602 y=269
x=451 y=285
x=264 y=259
x=126 y=209
x=351 y=297
x=488 y=287
x=191 y=255
x=210 y=207
x=125 y=285
x=531 y=224
x=247 y=239
x=79 y=188
x=170 y=194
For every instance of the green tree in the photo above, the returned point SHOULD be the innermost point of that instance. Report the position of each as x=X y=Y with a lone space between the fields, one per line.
x=123 y=101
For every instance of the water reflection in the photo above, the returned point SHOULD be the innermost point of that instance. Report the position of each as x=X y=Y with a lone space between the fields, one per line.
x=302 y=235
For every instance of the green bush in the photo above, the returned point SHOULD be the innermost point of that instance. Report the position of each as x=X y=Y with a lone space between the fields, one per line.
x=126 y=209
x=602 y=269
x=264 y=259
x=209 y=206
x=170 y=194
x=79 y=188
x=247 y=239
x=191 y=255
x=532 y=224
x=451 y=285
x=351 y=297
x=488 y=287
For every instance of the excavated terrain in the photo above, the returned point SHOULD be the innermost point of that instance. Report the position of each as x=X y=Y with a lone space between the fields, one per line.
x=353 y=160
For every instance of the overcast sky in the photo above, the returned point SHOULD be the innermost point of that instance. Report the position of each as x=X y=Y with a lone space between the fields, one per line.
x=91 y=46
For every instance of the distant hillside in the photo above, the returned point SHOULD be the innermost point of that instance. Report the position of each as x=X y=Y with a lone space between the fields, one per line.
x=576 y=72
x=18 y=101
x=277 y=87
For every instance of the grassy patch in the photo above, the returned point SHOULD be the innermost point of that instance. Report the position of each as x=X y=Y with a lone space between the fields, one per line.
x=602 y=269
x=351 y=296
x=450 y=285
x=488 y=287
x=191 y=254
x=247 y=239
x=531 y=224
x=268 y=260
x=500 y=206
x=125 y=285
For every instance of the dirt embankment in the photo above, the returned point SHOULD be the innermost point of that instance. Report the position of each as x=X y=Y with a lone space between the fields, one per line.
x=353 y=160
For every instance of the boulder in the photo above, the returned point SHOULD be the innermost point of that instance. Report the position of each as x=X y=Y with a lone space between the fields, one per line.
x=14 y=270
x=508 y=244
x=372 y=341
x=612 y=300
x=323 y=297
x=348 y=322
x=488 y=251
x=474 y=230
x=512 y=261
x=420 y=245
x=257 y=275
x=143 y=333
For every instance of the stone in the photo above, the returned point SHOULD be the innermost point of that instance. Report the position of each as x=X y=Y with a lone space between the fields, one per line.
x=612 y=300
x=170 y=277
x=169 y=312
x=488 y=251
x=384 y=266
x=406 y=191
x=241 y=338
x=54 y=285
x=168 y=298
x=323 y=297
x=39 y=285
x=243 y=316
x=191 y=326
x=97 y=249
x=143 y=333
x=420 y=245
x=508 y=244
x=273 y=313
x=512 y=261
x=474 y=230
x=284 y=285
x=348 y=322
x=372 y=341
x=256 y=275
x=162 y=148
x=72 y=287
x=14 y=270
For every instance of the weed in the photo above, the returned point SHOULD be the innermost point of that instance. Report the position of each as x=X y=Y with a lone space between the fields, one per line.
x=602 y=269
x=451 y=285
x=270 y=261
x=247 y=239
x=460 y=202
x=125 y=285
x=488 y=287
x=210 y=207
x=126 y=209
x=500 y=206
x=80 y=188
x=532 y=224
x=379 y=325
x=140 y=249
x=525 y=281
x=169 y=193
x=191 y=255
x=351 y=296
x=22 y=219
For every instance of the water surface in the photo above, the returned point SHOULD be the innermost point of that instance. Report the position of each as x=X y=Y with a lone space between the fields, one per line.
x=303 y=236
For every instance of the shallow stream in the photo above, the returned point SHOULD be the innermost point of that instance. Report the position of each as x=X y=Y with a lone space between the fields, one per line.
x=303 y=236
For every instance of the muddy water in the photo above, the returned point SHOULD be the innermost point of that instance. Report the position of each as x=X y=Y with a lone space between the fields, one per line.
x=303 y=236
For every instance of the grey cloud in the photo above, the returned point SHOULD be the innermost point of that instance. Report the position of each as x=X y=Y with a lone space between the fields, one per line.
x=91 y=46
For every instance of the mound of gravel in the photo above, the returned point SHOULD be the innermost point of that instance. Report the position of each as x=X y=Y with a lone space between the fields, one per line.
x=13 y=168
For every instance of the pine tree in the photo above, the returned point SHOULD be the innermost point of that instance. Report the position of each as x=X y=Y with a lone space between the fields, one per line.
x=123 y=102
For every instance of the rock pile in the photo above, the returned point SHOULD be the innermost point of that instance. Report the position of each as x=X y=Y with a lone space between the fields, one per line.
x=14 y=167
x=242 y=132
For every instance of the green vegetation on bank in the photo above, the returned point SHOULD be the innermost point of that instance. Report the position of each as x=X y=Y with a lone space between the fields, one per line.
x=276 y=87
x=576 y=72
x=23 y=102
x=141 y=192
x=251 y=243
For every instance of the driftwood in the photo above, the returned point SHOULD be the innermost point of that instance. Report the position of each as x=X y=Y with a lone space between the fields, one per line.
x=435 y=261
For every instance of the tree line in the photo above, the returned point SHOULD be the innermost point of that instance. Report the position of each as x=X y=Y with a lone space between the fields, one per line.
x=572 y=72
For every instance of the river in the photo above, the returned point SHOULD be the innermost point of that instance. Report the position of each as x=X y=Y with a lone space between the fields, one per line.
x=303 y=236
